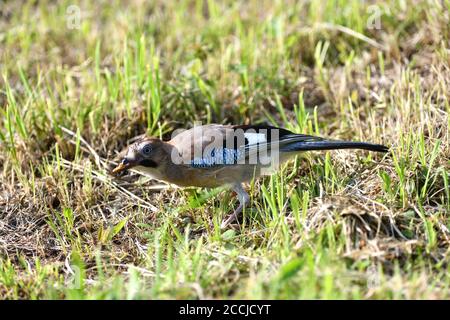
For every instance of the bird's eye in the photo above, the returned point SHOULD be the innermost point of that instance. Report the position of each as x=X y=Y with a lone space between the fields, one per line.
x=146 y=150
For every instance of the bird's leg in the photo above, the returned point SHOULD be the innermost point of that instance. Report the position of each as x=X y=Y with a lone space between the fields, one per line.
x=244 y=199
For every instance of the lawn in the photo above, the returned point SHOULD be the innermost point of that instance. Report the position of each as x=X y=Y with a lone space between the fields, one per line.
x=80 y=80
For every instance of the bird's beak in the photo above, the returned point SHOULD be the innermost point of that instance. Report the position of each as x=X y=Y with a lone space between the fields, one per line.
x=124 y=165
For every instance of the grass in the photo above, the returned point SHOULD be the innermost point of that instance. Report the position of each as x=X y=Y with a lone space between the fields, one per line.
x=330 y=225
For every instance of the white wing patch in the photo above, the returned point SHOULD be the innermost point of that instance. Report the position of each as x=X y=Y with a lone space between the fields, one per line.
x=254 y=138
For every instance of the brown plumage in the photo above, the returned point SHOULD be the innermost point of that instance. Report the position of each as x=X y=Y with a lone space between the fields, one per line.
x=216 y=155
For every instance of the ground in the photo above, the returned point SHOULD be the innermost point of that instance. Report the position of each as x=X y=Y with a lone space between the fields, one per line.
x=80 y=80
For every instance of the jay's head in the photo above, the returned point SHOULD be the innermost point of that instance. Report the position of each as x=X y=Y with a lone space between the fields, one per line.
x=147 y=153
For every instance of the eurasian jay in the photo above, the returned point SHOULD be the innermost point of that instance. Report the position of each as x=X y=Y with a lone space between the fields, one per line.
x=224 y=155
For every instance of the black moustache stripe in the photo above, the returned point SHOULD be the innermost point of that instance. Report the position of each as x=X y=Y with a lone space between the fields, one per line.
x=148 y=163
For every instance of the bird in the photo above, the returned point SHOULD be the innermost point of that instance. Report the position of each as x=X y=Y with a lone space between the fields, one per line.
x=216 y=155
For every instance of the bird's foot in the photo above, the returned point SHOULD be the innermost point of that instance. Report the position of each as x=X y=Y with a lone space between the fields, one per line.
x=232 y=217
x=243 y=200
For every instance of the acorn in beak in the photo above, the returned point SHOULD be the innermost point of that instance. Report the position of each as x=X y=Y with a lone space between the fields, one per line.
x=123 y=165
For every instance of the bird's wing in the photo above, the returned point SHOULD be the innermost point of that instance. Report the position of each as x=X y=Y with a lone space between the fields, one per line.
x=216 y=145
x=278 y=140
x=206 y=146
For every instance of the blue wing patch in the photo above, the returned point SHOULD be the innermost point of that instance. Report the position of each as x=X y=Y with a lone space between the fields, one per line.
x=217 y=157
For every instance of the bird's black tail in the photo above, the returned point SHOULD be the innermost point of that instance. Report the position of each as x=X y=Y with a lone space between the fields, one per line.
x=300 y=145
